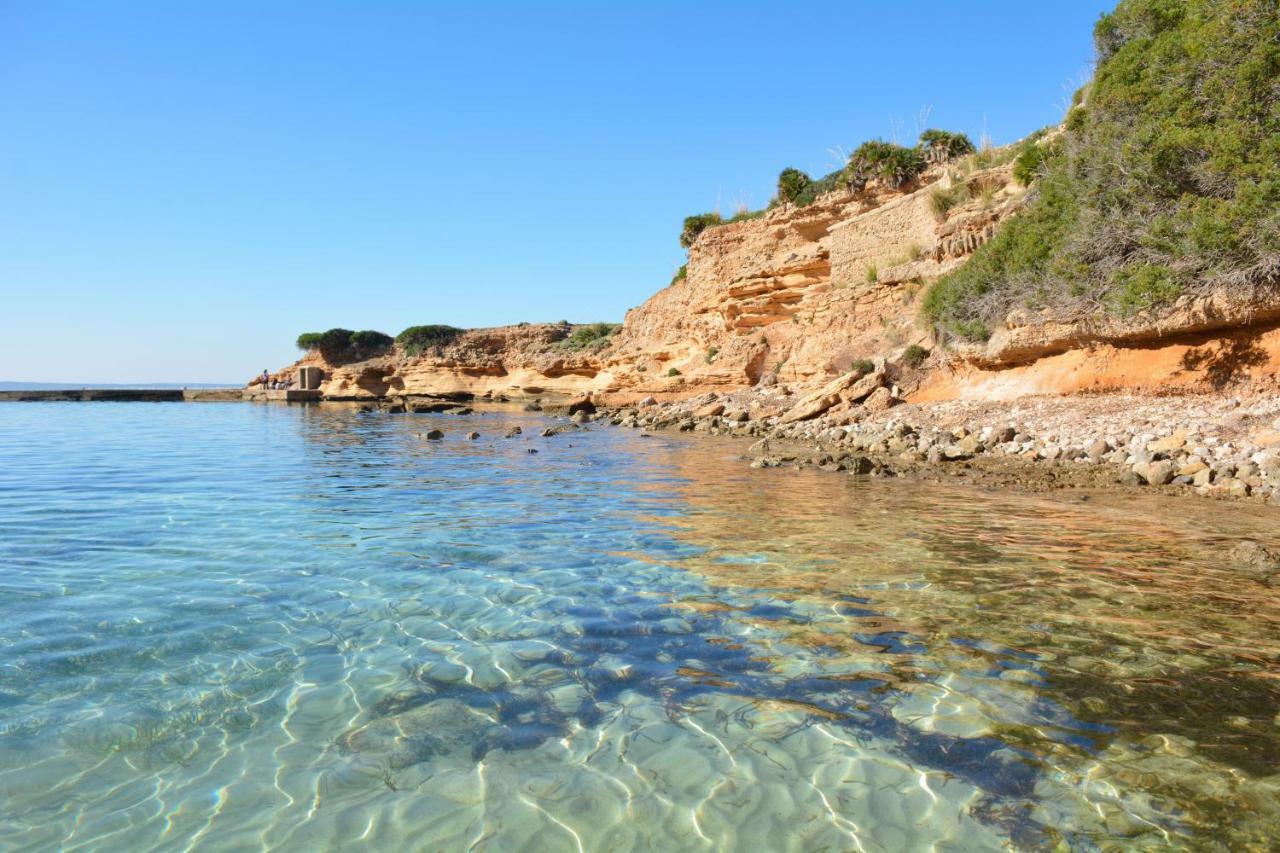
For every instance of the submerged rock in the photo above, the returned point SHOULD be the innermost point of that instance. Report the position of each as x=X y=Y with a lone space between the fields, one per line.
x=582 y=404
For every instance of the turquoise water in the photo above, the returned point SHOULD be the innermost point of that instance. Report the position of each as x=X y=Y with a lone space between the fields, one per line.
x=235 y=626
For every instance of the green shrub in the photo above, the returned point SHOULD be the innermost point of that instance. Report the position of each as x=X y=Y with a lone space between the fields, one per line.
x=589 y=336
x=942 y=200
x=1140 y=288
x=893 y=165
x=331 y=344
x=826 y=184
x=681 y=273
x=1031 y=158
x=415 y=339
x=914 y=355
x=862 y=366
x=948 y=144
x=1166 y=181
x=673 y=372
x=712 y=353
x=872 y=274
x=344 y=344
x=368 y=340
x=791 y=183
x=1020 y=253
x=695 y=225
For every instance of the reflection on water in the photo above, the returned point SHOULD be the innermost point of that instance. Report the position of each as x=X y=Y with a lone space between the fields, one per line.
x=253 y=627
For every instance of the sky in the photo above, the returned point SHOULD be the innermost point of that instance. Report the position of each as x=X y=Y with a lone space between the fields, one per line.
x=184 y=188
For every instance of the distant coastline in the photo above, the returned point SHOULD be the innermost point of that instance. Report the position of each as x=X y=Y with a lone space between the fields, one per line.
x=149 y=386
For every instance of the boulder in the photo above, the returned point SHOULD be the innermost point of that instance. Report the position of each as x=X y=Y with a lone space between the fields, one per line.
x=646 y=402
x=472 y=436
x=880 y=400
x=1269 y=438
x=710 y=410
x=435 y=435
x=1168 y=445
x=1158 y=473
x=423 y=407
x=857 y=465
x=1235 y=487
x=859 y=390
x=810 y=407
x=582 y=404
x=513 y=432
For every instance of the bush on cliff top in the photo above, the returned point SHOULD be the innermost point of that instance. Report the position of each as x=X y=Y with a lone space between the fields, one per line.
x=1166 y=181
x=945 y=142
x=792 y=182
x=368 y=340
x=893 y=165
x=415 y=339
x=340 y=344
x=695 y=225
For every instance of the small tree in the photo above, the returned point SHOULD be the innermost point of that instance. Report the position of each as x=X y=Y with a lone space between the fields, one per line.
x=791 y=183
x=308 y=341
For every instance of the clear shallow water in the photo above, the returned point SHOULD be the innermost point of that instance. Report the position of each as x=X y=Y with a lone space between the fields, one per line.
x=244 y=627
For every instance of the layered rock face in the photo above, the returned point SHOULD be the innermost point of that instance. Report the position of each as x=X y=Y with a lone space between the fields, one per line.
x=801 y=294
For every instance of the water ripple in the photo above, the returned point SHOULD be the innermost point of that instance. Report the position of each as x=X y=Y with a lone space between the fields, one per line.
x=260 y=627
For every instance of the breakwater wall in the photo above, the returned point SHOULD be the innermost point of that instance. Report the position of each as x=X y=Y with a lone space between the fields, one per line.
x=138 y=395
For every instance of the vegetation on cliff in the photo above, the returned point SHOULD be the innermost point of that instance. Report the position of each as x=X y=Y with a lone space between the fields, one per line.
x=415 y=339
x=792 y=182
x=1165 y=180
x=945 y=145
x=589 y=336
x=344 y=344
x=892 y=165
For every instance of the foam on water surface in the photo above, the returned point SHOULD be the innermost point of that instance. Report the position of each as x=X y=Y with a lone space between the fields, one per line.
x=258 y=627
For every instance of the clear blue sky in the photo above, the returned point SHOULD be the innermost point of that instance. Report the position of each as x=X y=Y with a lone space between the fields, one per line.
x=185 y=187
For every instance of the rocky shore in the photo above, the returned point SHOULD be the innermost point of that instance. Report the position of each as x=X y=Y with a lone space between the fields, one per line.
x=1213 y=445
x=1210 y=445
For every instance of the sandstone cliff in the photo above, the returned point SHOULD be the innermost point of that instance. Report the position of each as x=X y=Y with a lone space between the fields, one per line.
x=797 y=297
